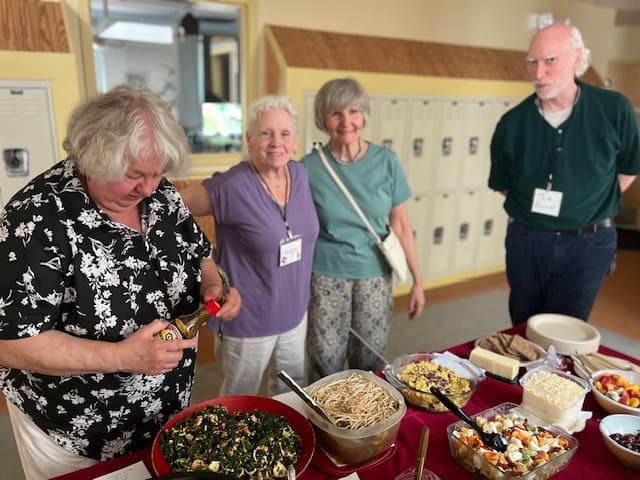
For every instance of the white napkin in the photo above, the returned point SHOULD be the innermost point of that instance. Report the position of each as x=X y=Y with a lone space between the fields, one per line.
x=449 y=359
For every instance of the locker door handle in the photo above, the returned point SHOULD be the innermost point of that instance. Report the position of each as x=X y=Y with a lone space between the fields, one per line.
x=487 y=227
x=464 y=231
x=438 y=235
x=418 y=144
x=473 y=145
x=447 y=145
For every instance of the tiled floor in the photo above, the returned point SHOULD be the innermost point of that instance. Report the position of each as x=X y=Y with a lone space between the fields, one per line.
x=455 y=314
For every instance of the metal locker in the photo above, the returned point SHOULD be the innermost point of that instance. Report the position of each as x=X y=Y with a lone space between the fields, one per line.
x=466 y=233
x=418 y=211
x=492 y=230
x=391 y=125
x=440 y=239
x=27 y=133
x=424 y=116
x=475 y=143
x=449 y=144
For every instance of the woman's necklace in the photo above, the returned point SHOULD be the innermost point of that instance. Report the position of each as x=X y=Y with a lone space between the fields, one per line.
x=282 y=209
x=346 y=162
x=266 y=185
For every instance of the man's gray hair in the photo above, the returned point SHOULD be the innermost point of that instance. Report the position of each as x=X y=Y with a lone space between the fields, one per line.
x=578 y=44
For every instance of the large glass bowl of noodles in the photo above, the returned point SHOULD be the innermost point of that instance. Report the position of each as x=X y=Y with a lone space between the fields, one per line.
x=366 y=413
x=415 y=373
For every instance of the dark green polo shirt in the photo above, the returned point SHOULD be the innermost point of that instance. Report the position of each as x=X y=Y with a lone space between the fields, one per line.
x=584 y=155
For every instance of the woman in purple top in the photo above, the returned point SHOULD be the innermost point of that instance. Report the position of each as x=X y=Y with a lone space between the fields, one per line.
x=266 y=230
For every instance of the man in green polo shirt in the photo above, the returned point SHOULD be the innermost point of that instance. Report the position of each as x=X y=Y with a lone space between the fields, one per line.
x=562 y=158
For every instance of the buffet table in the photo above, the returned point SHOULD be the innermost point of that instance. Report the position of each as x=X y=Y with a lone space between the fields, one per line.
x=592 y=459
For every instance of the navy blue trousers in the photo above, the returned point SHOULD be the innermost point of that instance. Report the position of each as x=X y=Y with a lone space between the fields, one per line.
x=552 y=272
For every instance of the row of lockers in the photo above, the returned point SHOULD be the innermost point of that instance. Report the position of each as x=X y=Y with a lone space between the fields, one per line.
x=442 y=142
x=443 y=146
x=458 y=230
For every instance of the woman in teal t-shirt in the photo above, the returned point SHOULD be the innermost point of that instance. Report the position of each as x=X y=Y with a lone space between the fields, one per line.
x=351 y=284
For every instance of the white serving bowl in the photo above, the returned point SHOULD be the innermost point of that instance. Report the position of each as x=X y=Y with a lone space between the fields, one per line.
x=609 y=404
x=623 y=424
x=569 y=335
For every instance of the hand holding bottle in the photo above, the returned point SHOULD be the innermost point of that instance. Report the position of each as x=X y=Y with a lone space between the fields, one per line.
x=142 y=353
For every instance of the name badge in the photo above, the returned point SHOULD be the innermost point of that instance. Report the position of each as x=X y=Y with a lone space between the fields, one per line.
x=546 y=202
x=290 y=251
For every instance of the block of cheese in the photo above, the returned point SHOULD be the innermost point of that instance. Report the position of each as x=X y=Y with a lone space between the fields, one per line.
x=495 y=363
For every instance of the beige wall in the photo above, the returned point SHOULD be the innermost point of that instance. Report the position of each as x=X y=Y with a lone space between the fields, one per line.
x=487 y=23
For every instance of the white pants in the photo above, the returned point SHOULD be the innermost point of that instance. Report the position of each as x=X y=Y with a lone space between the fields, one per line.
x=41 y=457
x=245 y=359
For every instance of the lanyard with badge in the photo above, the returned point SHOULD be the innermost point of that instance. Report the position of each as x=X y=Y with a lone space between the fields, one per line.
x=547 y=201
x=290 y=250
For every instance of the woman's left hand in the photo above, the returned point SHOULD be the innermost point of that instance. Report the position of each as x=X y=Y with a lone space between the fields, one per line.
x=231 y=306
x=416 y=301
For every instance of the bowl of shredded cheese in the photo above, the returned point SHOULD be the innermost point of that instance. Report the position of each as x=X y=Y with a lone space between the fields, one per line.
x=365 y=412
x=414 y=375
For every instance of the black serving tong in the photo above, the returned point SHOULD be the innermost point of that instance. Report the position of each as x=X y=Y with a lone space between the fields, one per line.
x=493 y=440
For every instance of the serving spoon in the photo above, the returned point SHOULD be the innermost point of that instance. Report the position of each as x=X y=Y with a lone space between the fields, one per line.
x=493 y=440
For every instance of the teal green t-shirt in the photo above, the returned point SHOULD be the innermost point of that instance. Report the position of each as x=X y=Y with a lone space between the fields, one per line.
x=345 y=248
x=583 y=156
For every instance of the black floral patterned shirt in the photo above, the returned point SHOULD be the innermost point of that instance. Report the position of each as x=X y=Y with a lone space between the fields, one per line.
x=68 y=266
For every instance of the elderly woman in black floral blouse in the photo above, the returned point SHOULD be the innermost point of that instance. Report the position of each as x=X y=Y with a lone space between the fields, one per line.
x=100 y=252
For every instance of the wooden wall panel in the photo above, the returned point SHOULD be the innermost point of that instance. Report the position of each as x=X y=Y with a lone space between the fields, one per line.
x=32 y=26
x=206 y=222
x=338 y=51
x=206 y=338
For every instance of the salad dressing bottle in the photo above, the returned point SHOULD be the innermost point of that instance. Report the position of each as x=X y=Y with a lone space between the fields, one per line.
x=186 y=326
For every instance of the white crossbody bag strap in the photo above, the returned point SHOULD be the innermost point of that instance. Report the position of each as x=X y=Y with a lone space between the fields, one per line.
x=318 y=147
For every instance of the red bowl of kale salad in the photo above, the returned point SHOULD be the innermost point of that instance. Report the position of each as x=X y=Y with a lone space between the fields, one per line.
x=242 y=436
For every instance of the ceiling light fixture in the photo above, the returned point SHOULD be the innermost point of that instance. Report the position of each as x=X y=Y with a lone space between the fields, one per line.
x=139 y=32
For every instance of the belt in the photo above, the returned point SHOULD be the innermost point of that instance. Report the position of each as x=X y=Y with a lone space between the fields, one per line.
x=594 y=227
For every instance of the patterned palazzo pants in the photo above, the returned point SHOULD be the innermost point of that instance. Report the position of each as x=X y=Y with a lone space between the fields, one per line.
x=338 y=304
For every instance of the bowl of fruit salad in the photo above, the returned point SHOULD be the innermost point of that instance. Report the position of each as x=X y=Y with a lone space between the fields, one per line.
x=621 y=435
x=617 y=391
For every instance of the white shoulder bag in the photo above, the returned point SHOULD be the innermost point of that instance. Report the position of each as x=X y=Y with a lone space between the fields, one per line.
x=390 y=247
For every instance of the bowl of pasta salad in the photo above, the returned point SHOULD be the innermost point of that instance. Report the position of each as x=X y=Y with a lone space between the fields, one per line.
x=365 y=411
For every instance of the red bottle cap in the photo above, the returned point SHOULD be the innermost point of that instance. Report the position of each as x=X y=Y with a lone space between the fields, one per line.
x=213 y=307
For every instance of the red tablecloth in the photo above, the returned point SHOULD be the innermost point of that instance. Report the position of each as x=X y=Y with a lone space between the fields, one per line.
x=592 y=460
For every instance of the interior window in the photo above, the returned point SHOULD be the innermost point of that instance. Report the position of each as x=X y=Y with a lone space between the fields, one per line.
x=186 y=52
